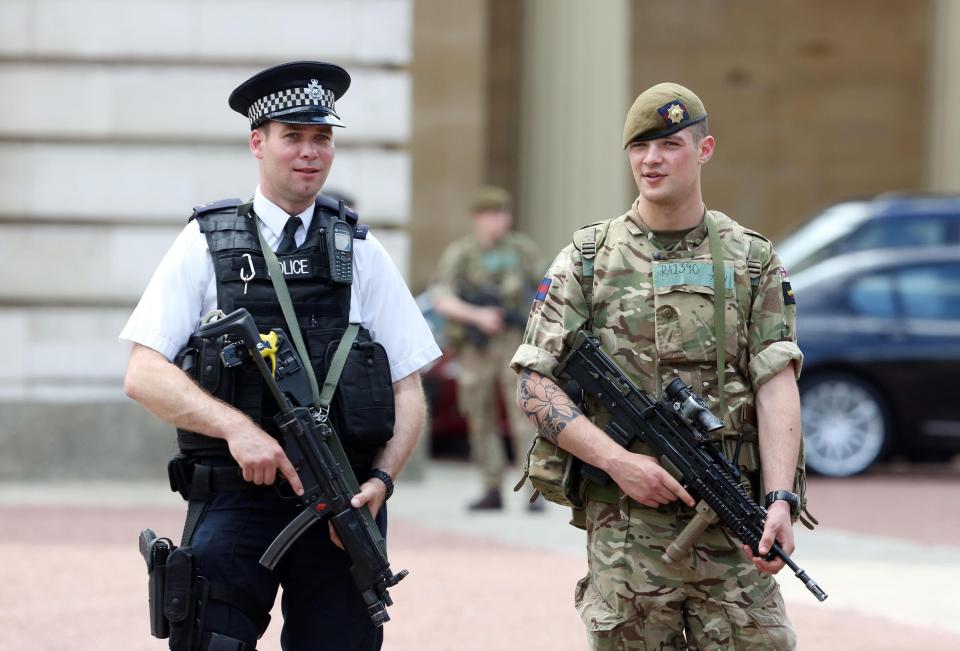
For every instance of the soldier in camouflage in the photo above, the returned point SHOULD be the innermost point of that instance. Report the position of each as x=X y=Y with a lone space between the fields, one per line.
x=644 y=284
x=483 y=288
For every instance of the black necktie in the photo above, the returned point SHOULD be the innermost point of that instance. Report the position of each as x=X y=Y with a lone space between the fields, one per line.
x=287 y=243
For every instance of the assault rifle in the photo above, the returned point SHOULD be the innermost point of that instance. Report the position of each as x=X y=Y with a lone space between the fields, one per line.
x=677 y=428
x=313 y=447
x=487 y=296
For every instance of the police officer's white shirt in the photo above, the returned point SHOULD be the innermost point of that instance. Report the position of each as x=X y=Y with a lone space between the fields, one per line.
x=183 y=289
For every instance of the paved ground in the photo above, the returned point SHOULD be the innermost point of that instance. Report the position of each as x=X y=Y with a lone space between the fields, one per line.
x=888 y=553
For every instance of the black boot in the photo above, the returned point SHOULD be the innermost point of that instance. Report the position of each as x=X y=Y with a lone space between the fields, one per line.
x=489 y=502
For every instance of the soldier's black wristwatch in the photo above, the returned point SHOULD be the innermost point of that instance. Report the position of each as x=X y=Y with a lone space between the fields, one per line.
x=790 y=498
x=385 y=478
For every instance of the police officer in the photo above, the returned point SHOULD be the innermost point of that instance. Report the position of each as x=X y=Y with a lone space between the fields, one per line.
x=484 y=283
x=231 y=460
x=644 y=283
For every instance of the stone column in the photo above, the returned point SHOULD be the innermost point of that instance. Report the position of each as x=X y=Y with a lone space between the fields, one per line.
x=449 y=71
x=575 y=93
x=942 y=169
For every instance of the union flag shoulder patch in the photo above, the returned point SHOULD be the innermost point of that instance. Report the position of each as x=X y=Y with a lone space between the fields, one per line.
x=543 y=288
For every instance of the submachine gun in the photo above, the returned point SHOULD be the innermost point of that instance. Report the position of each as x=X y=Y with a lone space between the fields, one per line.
x=677 y=428
x=313 y=447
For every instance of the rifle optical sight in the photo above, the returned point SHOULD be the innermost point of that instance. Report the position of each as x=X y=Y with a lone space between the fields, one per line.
x=692 y=408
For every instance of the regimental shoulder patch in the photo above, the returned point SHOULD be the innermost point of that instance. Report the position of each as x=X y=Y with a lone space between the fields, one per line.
x=789 y=298
x=543 y=288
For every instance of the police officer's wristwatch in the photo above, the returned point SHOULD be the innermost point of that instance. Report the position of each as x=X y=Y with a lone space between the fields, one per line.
x=790 y=498
x=385 y=478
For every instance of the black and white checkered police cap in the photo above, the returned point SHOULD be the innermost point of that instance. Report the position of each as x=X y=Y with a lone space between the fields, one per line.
x=300 y=92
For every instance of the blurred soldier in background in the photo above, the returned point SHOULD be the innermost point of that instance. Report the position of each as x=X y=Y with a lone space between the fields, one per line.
x=645 y=284
x=484 y=284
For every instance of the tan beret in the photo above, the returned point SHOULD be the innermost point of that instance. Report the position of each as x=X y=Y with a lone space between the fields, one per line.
x=490 y=198
x=661 y=110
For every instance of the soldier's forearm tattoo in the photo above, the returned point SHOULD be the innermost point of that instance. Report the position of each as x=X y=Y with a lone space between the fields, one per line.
x=546 y=403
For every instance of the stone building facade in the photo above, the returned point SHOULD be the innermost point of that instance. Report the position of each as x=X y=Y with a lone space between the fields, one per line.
x=114 y=123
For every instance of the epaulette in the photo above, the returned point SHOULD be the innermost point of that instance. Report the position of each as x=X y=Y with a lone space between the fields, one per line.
x=334 y=206
x=215 y=206
x=360 y=231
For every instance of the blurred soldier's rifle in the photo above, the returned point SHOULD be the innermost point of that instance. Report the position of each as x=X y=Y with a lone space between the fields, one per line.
x=487 y=296
x=313 y=447
x=677 y=429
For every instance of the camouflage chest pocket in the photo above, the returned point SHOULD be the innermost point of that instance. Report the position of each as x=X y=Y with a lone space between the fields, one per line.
x=684 y=311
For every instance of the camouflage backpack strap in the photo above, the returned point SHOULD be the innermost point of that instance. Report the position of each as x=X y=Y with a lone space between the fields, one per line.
x=587 y=241
x=758 y=255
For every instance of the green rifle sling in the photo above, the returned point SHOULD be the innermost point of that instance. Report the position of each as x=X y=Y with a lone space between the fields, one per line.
x=321 y=400
x=719 y=307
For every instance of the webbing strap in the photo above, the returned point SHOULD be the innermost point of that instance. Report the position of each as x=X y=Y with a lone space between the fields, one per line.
x=200 y=497
x=719 y=308
x=337 y=364
x=219 y=642
x=195 y=511
x=588 y=251
x=609 y=494
x=286 y=306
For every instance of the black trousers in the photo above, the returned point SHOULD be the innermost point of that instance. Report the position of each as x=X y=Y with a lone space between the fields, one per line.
x=322 y=609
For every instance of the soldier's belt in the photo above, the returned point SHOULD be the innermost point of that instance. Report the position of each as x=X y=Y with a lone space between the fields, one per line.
x=609 y=494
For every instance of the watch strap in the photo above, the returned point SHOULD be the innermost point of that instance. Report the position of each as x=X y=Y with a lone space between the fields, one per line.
x=790 y=498
x=385 y=478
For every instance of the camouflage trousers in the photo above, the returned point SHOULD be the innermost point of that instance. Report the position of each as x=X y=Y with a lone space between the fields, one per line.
x=482 y=373
x=632 y=600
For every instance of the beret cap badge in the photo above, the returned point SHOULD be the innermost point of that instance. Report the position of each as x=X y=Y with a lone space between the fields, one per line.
x=661 y=110
x=673 y=112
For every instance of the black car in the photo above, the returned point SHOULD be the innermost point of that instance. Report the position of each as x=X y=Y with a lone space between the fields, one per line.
x=885 y=221
x=880 y=333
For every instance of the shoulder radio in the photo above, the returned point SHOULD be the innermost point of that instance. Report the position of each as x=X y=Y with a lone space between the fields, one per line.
x=340 y=248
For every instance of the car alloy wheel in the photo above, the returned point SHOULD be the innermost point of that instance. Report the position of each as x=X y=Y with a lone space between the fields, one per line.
x=845 y=424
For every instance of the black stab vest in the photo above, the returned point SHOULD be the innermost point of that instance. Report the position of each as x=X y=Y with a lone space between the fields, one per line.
x=322 y=309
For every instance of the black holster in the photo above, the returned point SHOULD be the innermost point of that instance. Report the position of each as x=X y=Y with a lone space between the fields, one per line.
x=178 y=601
x=184 y=600
x=156 y=557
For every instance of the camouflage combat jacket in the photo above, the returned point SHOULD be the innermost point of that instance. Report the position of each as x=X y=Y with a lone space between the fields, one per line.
x=505 y=275
x=653 y=311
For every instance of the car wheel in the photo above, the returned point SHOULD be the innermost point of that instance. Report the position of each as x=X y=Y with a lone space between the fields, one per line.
x=845 y=424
